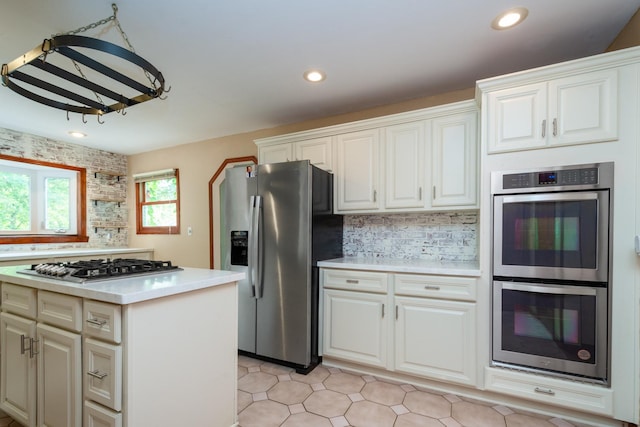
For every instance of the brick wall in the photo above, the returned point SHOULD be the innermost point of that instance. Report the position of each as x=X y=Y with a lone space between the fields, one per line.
x=99 y=186
x=441 y=236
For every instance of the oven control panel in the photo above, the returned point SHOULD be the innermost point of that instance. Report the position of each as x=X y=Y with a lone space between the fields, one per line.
x=560 y=178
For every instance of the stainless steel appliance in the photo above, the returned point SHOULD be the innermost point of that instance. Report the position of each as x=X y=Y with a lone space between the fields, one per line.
x=551 y=270
x=98 y=269
x=279 y=222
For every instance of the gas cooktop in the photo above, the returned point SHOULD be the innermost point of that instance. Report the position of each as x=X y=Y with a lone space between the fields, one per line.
x=99 y=269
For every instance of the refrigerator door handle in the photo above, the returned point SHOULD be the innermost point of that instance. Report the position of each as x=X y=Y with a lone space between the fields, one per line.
x=251 y=249
x=257 y=247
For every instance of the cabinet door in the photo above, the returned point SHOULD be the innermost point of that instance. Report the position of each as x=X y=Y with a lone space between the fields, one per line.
x=583 y=108
x=355 y=327
x=404 y=166
x=357 y=174
x=454 y=167
x=516 y=118
x=18 y=368
x=275 y=153
x=436 y=339
x=59 y=377
x=318 y=151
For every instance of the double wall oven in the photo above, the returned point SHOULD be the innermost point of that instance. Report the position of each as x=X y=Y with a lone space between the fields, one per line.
x=551 y=270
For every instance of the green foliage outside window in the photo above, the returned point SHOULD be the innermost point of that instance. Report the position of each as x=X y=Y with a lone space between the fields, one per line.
x=160 y=214
x=15 y=190
x=57 y=203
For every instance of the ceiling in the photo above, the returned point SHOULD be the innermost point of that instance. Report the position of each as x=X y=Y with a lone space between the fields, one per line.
x=236 y=66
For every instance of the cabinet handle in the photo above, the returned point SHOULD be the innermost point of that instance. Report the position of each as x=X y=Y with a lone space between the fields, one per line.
x=544 y=128
x=420 y=193
x=544 y=391
x=383 y=311
x=375 y=195
x=97 y=374
x=555 y=127
x=432 y=288
x=23 y=348
x=353 y=281
x=97 y=322
x=396 y=312
x=32 y=348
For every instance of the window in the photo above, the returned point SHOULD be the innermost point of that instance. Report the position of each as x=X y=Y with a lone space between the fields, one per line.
x=157 y=202
x=41 y=202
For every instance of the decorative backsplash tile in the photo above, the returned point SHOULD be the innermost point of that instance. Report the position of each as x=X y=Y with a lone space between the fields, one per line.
x=439 y=236
x=18 y=144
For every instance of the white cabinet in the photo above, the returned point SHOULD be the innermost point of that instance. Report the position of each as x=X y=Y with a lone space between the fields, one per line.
x=318 y=151
x=436 y=339
x=572 y=110
x=424 y=325
x=404 y=165
x=357 y=177
x=454 y=167
x=356 y=326
x=40 y=362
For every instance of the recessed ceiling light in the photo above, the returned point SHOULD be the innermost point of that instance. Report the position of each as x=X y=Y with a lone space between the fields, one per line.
x=77 y=134
x=509 y=18
x=314 y=76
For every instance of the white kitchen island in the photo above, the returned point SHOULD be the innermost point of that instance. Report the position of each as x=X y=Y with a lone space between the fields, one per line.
x=153 y=350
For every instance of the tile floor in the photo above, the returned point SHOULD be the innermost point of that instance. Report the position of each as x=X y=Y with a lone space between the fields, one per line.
x=271 y=395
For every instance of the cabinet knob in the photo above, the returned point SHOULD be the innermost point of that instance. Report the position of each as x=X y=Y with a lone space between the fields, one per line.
x=544 y=128
x=97 y=374
x=555 y=127
x=353 y=281
x=544 y=391
x=432 y=288
x=97 y=322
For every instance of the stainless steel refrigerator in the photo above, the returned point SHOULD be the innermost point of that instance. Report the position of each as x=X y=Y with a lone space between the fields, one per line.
x=278 y=222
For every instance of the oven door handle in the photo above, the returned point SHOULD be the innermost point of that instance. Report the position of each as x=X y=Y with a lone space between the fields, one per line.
x=549 y=289
x=581 y=195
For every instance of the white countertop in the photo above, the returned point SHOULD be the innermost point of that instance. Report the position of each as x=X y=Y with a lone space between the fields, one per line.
x=15 y=256
x=391 y=265
x=127 y=290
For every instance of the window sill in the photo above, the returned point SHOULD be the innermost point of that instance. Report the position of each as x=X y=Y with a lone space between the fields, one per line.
x=17 y=240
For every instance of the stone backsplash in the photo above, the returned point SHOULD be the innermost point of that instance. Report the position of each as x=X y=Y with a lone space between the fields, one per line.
x=439 y=236
x=112 y=213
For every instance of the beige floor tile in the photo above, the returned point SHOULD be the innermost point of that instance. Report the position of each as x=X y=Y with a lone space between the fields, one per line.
x=316 y=376
x=521 y=420
x=370 y=414
x=415 y=420
x=289 y=392
x=265 y=413
x=327 y=403
x=427 y=404
x=383 y=392
x=274 y=369
x=248 y=361
x=244 y=400
x=306 y=419
x=344 y=383
x=467 y=413
x=242 y=371
x=255 y=382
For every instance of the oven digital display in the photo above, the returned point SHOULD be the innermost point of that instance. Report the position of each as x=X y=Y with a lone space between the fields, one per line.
x=547 y=178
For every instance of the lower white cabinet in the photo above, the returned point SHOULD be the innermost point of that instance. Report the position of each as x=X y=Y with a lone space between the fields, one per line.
x=97 y=416
x=355 y=326
x=103 y=373
x=436 y=339
x=422 y=325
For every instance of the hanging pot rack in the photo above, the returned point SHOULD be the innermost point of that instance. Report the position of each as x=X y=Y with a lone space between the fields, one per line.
x=64 y=45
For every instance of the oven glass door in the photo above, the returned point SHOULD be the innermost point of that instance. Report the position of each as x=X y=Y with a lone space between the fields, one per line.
x=561 y=328
x=560 y=236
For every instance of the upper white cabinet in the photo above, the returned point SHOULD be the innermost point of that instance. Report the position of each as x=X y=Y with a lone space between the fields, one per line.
x=577 y=109
x=319 y=151
x=415 y=161
x=357 y=176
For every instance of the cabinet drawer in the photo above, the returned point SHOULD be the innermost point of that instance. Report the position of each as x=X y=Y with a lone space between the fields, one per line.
x=355 y=280
x=102 y=320
x=103 y=373
x=64 y=311
x=445 y=287
x=98 y=416
x=19 y=300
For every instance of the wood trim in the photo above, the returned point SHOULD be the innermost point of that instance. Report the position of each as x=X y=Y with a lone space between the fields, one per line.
x=213 y=179
x=81 y=205
x=158 y=230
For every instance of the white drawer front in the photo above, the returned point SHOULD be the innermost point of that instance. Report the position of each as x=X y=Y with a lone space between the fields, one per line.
x=355 y=280
x=445 y=287
x=60 y=310
x=103 y=373
x=98 y=416
x=102 y=320
x=19 y=300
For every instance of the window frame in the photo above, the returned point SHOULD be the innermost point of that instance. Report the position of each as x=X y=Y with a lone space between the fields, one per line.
x=140 y=203
x=81 y=209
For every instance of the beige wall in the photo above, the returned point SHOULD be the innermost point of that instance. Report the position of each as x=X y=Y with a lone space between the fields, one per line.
x=198 y=162
x=629 y=36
